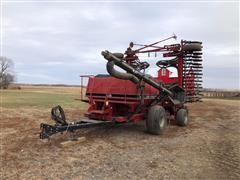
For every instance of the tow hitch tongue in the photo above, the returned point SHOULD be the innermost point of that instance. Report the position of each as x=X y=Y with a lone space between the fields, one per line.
x=61 y=125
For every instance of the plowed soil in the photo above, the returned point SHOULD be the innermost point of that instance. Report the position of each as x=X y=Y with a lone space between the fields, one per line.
x=209 y=148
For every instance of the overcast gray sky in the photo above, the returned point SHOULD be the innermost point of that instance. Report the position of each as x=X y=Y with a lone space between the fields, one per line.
x=56 y=42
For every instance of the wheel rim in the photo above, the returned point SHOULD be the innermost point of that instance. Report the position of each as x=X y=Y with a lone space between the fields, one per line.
x=185 y=119
x=161 y=124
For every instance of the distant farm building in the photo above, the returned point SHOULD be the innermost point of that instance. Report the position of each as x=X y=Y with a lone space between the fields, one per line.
x=220 y=93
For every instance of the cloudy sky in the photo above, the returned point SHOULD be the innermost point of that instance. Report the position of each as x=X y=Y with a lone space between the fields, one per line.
x=55 y=42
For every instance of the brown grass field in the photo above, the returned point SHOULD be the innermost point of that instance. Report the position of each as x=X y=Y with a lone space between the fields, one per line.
x=209 y=148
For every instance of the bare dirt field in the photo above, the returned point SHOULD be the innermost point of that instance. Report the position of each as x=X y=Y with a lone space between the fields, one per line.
x=209 y=148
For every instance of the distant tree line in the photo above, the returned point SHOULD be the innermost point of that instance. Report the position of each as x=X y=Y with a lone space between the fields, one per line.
x=6 y=72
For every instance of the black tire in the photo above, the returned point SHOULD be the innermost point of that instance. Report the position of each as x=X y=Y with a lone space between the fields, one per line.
x=182 y=117
x=156 y=120
x=192 y=47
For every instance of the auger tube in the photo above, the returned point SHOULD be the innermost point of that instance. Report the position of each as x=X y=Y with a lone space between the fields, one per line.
x=113 y=72
x=130 y=70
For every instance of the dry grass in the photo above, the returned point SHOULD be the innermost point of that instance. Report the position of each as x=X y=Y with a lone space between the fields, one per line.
x=207 y=149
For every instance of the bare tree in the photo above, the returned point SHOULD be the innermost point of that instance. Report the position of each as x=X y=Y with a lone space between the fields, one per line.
x=6 y=73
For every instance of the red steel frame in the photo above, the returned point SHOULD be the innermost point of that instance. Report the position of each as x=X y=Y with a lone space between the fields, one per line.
x=112 y=99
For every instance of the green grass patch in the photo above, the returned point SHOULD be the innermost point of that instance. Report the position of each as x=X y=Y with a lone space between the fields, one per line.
x=20 y=98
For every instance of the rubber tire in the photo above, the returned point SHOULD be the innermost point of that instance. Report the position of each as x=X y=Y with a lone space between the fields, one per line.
x=182 y=117
x=156 y=120
x=192 y=47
